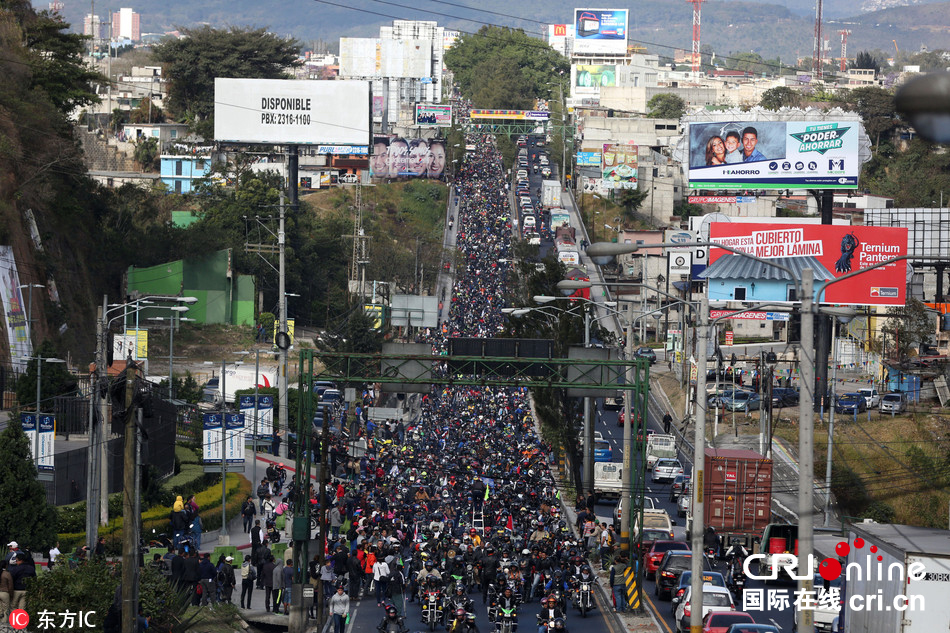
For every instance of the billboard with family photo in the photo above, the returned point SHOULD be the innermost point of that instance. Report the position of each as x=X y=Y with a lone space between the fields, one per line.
x=774 y=155
x=397 y=157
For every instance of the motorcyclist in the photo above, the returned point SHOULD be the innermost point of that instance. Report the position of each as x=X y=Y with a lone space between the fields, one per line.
x=392 y=622
x=507 y=601
x=711 y=540
x=736 y=551
x=463 y=623
x=549 y=613
x=460 y=600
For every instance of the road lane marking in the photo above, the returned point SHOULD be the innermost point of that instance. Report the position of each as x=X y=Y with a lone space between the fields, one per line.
x=777 y=625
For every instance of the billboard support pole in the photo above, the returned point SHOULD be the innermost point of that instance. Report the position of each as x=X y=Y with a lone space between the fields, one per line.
x=823 y=321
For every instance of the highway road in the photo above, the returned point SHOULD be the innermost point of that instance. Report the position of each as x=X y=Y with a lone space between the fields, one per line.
x=606 y=422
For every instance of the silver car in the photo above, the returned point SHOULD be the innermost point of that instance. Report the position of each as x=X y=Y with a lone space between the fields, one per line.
x=894 y=402
x=666 y=470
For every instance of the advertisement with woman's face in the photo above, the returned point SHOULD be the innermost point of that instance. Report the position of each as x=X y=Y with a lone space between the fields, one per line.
x=437 y=159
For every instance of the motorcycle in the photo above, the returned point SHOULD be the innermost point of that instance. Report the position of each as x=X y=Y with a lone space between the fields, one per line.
x=469 y=576
x=583 y=598
x=735 y=580
x=710 y=554
x=507 y=620
x=432 y=612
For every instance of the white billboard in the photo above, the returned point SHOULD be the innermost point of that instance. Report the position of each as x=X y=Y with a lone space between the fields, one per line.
x=290 y=112
x=374 y=57
x=600 y=31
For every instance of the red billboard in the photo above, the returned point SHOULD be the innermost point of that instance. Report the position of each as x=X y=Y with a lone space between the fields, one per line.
x=829 y=251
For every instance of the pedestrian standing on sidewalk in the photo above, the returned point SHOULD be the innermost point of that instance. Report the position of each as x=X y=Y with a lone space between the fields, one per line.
x=617 y=586
x=248 y=576
x=208 y=574
x=286 y=583
x=267 y=579
x=248 y=511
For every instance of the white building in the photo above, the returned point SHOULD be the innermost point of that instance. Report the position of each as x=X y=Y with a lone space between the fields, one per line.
x=404 y=64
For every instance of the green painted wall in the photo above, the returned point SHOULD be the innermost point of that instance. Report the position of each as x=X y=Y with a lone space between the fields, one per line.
x=220 y=299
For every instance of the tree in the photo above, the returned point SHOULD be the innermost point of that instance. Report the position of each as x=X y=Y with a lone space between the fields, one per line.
x=522 y=66
x=631 y=200
x=147 y=112
x=25 y=515
x=666 y=105
x=906 y=328
x=865 y=60
x=876 y=107
x=146 y=153
x=193 y=61
x=780 y=97
x=57 y=65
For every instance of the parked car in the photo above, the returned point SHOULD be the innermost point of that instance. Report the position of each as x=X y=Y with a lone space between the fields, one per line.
x=647 y=353
x=742 y=401
x=655 y=554
x=894 y=402
x=851 y=403
x=709 y=578
x=666 y=470
x=784 y=397
x=871 y=396
x=717 y=399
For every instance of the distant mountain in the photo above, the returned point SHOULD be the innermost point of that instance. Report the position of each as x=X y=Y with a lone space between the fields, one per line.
x=780 y=28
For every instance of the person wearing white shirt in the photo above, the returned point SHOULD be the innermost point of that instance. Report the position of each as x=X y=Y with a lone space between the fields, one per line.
x=380 y=579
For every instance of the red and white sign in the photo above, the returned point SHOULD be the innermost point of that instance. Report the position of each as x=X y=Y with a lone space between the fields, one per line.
x=711 y=199
x=730 y=476
x=730 y=337
x=830 y=251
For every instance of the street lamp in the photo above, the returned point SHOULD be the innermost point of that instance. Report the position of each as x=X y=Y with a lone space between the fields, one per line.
x=844 y=316
x=588 y=432
x=603 y=253
x=171 y=344
x=29 y=313
x=39 y=401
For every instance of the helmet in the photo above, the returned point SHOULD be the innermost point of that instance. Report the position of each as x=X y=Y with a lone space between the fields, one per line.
x=550 y=599
x=391 y=610
x=470 y=617
x=585 y=569
x=473 y=531
x=460 y=613
x=559 y=623
x=460 y=589
x=429 y=564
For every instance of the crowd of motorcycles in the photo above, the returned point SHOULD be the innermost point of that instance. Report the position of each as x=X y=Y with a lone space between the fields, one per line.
x=479 y=507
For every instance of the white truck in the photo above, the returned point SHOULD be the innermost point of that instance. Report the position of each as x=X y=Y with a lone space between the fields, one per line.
x=236 y=378
x=660 y=446
x=608 y=479
x=550 y=194
x=900 y=588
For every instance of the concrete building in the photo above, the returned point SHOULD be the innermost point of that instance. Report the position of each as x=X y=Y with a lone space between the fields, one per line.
x=126 y=24
x=92 y=26
x=181 y=173
x=404 y=65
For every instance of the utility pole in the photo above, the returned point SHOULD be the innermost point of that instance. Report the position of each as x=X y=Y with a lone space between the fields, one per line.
x=699 y=461
x=806 y=455
x=224 y=538
x=95 y=439
x=104 y=430
x=627 y=491
x=130 y=531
